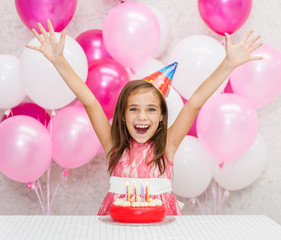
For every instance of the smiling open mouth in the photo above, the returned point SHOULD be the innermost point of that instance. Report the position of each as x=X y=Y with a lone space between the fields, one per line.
x=141 y=129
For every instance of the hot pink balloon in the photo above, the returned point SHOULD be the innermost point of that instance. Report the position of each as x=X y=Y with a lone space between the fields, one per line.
x=228 y=88
x=224 y=15
x=25 y=148
x=131 y=33
x=31 y=110
x=60 y=12
x=106 y=78
x=227 y=126
x=192 y=131
x=74 y=140
x=92 y=43
x=259 y=81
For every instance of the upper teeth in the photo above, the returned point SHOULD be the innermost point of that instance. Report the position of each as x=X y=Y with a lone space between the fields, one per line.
x=141 y=126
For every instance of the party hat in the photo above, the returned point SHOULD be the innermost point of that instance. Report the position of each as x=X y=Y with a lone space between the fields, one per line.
x=162 y=79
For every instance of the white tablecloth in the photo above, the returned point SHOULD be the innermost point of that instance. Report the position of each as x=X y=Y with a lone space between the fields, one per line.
x=214 y=227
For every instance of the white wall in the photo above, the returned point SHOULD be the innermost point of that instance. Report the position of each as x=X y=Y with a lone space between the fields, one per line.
x=83 y=192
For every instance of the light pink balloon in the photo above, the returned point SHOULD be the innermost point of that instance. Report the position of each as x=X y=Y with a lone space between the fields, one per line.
x=92 y=43
x=259 y=81
x=60 y=12
x=25 y=148
x=131 y=33
x=227 y=126
x=74 y=140
x=224 y=15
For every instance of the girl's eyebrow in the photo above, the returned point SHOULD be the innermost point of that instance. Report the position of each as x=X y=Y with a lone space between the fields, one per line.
x=149 y=105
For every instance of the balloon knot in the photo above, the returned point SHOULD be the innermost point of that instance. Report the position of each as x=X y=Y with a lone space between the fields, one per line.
x=221 y=164
x=29 y=185
x=53 y=113
x=132 y=71
x=226 y=194
x=65 y=174
x=7 y=112
x=33 y=186
x=192 y=202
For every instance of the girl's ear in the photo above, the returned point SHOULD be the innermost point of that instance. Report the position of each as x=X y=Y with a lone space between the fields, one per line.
x=161 y=118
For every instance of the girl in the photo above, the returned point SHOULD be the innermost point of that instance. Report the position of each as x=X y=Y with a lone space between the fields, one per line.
x=139 y=145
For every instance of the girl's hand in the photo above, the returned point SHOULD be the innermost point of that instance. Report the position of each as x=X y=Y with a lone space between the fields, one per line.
x=241 y=52
x=50 y=46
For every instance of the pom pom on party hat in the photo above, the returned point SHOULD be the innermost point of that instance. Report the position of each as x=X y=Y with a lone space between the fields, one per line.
x=162 y=79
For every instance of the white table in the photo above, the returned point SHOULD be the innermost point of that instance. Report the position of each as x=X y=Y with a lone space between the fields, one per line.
x=215 y=227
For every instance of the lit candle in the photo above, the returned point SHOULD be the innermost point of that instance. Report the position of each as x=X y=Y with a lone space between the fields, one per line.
x=135 y=191
x=142 y=191
x=127 y=192
x=147 y=193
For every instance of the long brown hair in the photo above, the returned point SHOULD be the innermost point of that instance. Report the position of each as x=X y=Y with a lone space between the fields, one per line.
x=120 y=134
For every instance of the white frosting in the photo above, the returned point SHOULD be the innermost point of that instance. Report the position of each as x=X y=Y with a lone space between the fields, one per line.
x=138 y=203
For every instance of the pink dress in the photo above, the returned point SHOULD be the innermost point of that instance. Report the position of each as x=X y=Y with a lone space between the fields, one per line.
x=133 y=164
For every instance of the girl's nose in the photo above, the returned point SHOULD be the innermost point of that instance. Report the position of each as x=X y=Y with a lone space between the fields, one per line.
x=142 y=115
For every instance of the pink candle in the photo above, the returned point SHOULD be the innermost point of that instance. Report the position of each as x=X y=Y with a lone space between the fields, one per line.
x=128 y=198
x=135 y=192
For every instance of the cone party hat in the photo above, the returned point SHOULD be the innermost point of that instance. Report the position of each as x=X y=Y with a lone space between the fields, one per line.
x=162 y=79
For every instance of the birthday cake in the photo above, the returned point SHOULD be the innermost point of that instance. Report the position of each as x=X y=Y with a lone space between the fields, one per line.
x=135 y=208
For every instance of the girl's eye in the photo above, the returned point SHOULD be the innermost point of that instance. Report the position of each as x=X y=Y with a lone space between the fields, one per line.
x=133 y=109
x=151 y=110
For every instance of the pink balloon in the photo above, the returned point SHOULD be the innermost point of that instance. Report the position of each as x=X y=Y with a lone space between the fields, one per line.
x=31 y=110
x=60 y=12
x=74 y=140
x=192 y=131
x=224 y=15
x=228 y=88
x=131 y=33
x=92 y=43
x=76 y=103
x=227 y=126
x=106 y=78
x=25 y=148
x=259 y=81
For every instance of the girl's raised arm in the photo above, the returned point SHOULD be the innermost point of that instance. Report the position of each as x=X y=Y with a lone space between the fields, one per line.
x=235 y=55
x=53 y=51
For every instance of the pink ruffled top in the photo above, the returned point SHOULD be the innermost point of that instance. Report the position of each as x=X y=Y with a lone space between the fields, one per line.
x=133 y=164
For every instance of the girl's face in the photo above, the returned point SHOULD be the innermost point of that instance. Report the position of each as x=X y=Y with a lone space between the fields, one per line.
x=142 y=115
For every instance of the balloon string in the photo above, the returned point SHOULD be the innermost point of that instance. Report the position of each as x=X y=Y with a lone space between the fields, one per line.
x=219 y=200
x=206 y=201
x=34 y=187
x=40 y=188
x=225 y=197
x=53 y=113
x=199 y=205
x=54 y=194
x=64 y=177
x=214 y=196
x=48 y=188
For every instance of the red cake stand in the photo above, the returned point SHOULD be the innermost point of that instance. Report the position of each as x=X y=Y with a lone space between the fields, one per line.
x=138 y=214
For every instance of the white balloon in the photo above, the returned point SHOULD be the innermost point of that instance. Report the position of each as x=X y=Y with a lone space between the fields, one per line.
x=245 y=170
x=193 y=168
x=11 y=90
x=42 y=82
x=174 y=104
x=198 y=56
x=150 y=66
x=164 y=31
